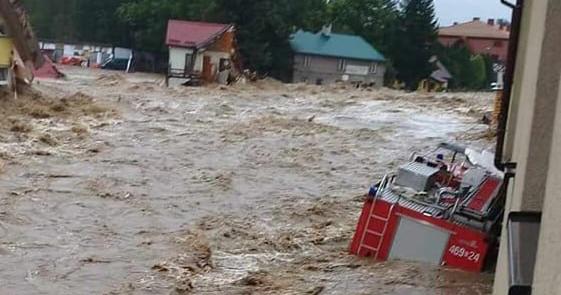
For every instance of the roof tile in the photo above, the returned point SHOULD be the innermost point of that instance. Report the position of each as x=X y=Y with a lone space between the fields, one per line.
x=192 y=34
x=475 y=29
x=334 y=45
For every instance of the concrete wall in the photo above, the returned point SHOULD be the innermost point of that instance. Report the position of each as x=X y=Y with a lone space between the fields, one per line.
x=548 y=269
x=547 y=275
x=326 y=69
x=534 y=141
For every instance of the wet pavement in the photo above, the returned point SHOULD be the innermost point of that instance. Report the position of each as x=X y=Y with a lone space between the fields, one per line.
x=253 y=189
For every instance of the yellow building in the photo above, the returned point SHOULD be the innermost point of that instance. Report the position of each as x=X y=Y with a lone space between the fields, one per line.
x=6 y=47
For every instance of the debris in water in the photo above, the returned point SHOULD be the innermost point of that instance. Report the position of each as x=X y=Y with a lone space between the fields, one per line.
x=316 y=290
x=249 y=189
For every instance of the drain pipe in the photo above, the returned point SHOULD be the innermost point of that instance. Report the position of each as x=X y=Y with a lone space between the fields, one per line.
x=508 y=167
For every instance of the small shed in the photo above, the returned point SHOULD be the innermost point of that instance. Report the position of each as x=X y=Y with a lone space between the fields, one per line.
x=199 y=50
x=438 y=80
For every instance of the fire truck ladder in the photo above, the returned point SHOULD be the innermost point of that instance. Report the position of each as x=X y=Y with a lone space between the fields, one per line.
x=371 y=215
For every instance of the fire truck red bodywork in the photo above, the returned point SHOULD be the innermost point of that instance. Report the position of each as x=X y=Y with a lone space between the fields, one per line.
x=466 y=249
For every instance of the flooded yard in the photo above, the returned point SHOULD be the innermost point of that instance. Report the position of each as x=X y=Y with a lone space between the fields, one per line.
x=128 y=187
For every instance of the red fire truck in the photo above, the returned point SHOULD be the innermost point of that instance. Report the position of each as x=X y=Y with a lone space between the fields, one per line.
x=441 y=208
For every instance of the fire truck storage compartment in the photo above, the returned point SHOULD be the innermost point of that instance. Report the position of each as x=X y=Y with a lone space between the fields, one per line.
x=417 y=176
x=420 y=242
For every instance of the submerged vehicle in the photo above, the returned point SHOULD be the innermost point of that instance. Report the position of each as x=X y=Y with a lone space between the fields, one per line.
x=443 y=208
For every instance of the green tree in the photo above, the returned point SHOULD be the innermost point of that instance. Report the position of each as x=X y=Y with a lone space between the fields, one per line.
x=490 y=71
x=374 y=20
x=417 y=34
x=469 y=72
x=264 y=28
x=147 y=20
x=479 y=72
x=77 y=20
x=457 y=59
x=97 y=21
x=53 y=19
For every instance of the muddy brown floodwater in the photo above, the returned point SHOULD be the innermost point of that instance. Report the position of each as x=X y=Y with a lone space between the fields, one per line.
x=113 y=184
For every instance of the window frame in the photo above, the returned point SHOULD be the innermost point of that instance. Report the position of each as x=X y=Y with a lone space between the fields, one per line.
x=307 y=61
x=373 y=69
x=341 y=65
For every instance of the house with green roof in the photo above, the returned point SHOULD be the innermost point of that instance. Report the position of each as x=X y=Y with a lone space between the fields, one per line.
x=326 y=57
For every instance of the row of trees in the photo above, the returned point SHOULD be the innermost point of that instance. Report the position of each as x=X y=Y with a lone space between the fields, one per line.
x=404 y=31
x=470 y=72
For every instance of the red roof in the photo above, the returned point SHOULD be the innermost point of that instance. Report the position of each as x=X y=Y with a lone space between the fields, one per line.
x=475 y=29
x=193 y=34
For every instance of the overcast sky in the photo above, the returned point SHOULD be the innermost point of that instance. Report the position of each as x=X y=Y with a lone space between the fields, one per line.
x=449 y=11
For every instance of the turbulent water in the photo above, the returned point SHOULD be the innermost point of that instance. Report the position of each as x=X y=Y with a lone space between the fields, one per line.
x=253 y=189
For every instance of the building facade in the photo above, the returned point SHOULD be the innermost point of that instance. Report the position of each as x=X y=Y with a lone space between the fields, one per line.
x=534 y=144
x=325 y=58
x=321 y=69
x=198 y=49
x=486 y=38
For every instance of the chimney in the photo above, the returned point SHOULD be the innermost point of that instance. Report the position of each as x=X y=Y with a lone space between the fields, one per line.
x=491 y=22
x=476 y=19
x=326 y=30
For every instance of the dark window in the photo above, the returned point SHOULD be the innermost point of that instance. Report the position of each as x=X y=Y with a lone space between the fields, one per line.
x=341 y=65
x=307 y=61
x=373 y=68
x=188 y=62
x=224 y=64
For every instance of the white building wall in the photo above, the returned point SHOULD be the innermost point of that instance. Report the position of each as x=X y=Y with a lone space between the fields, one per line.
x=122 y=53
x=177 y=57
x=198 y=67
x=69 y=50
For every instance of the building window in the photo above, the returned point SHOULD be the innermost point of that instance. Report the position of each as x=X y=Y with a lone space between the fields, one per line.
x=373 y=68
x=224 y=64
x=188 y=62
x=498 y=44
x=341 y=65
x=307 y=61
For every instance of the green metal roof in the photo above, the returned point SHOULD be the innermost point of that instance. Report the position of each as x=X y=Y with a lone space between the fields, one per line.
x=334 y=45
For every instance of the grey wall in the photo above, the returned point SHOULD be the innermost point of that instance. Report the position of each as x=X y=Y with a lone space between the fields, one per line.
x=534 y=142
x=325 y=69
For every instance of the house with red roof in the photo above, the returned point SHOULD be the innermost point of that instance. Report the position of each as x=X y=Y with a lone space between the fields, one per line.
x=199 y=50
x=486 y=38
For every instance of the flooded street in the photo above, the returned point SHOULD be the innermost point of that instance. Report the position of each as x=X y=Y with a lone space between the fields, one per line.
x=133 y=188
